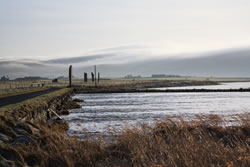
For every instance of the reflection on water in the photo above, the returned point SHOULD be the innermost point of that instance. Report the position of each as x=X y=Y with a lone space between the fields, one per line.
x=100 y=111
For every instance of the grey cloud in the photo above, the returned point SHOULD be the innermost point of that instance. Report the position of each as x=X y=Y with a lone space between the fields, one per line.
x=125 y=47
x=78 y=59
x=28 y=64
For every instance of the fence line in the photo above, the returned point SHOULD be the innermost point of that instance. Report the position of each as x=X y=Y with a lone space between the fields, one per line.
x=12 y=86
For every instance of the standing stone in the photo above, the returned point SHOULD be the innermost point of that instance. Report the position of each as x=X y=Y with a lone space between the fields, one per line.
x=85 y=77
x=70 y=75
x=95 y=74
x=98 y=77
x=93 y=77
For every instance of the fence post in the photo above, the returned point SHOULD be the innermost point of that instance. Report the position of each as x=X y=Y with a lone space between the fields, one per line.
x=95 y=75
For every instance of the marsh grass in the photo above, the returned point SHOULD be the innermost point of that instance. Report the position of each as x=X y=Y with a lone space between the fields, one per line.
x=204 y=141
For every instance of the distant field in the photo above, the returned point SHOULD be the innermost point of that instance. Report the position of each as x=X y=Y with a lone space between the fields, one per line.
x=218 y=79
x=20 y=86
x=17 y=86
x=7 y=87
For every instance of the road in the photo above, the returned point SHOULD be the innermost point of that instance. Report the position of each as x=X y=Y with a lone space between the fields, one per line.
x=22 y=97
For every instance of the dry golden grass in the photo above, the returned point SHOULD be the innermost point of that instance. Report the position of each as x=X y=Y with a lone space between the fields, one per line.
x=197 y=143
x=172 y=142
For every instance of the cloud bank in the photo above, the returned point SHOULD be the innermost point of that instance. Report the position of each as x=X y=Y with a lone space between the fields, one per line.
x=120 y=61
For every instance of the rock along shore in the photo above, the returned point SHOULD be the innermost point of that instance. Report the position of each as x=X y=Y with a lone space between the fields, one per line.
x=27 y=122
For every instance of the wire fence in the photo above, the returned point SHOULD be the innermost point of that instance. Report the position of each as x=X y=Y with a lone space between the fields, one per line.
x=16 y=86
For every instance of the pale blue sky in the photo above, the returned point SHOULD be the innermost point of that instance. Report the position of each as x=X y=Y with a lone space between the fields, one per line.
x=49 y=29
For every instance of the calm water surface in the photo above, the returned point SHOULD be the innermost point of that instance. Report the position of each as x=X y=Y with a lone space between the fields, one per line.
x=116 y=110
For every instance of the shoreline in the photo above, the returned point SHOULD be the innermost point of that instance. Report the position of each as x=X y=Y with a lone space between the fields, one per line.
x=82 y=91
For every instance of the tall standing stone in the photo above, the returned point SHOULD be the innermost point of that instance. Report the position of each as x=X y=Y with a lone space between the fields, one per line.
x=70 y=75
x=95 y=74
x=93 y=77
x=98 y=77
x=85 y=77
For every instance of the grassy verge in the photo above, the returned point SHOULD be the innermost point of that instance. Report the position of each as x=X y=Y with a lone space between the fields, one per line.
x=173 y=142
x=37 y=101
x=19 y=92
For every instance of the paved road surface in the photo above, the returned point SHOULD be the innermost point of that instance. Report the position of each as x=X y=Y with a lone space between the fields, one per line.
x=19 y=98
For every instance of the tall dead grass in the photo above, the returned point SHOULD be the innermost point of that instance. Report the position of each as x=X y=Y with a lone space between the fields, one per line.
x=175 y=142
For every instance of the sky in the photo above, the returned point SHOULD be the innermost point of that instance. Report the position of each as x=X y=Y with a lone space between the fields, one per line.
x=62 y=32
x=60 y=28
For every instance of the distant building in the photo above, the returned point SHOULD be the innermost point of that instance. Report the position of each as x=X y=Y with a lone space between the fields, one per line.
x=4 y=78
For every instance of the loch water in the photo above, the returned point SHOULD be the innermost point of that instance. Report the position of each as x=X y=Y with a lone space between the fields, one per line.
x=102 y=112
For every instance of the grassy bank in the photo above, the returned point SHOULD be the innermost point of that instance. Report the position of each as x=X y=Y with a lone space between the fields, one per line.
x=43 y=99
x=20 y=92
x=172 y=142
x=32 y=108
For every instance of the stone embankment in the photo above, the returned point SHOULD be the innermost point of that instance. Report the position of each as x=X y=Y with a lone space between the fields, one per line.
x=25 y=123
x=39 y=108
